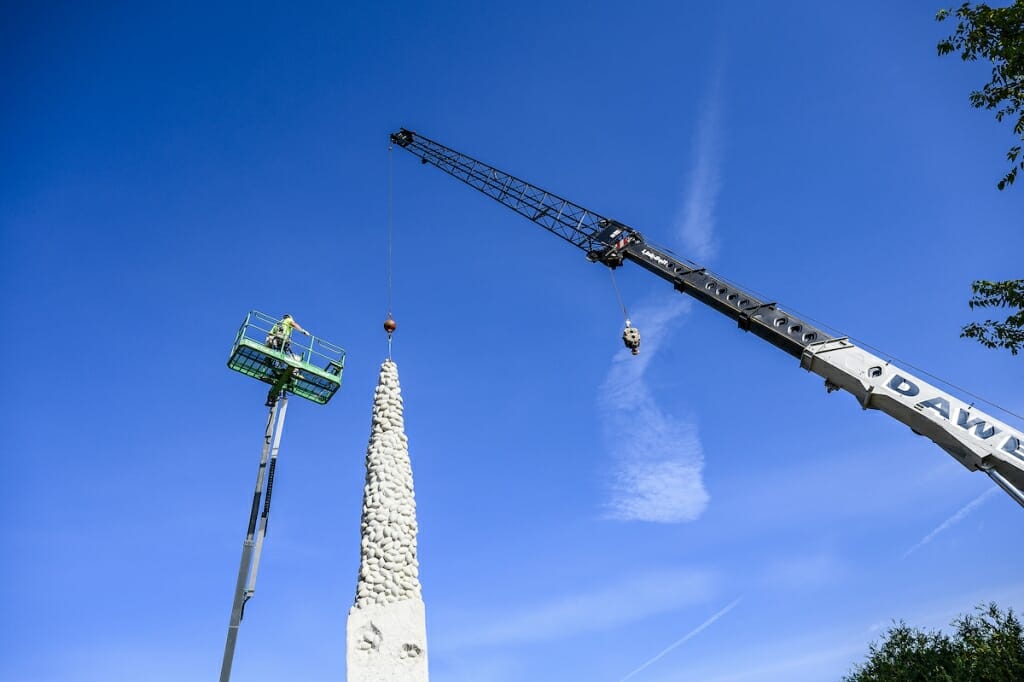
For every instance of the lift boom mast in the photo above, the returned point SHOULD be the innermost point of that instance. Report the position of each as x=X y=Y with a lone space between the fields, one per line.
x=975 y=439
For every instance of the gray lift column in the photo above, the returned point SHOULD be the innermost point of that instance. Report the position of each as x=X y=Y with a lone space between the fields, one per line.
x=253 y=545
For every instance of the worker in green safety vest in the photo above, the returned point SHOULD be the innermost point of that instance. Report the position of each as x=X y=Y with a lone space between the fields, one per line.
x=281 y=333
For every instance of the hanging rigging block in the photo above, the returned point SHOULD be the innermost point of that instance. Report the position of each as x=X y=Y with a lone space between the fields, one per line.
x=313 y=367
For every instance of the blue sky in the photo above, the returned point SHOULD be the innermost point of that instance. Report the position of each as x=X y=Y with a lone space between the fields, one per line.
x=704 y=511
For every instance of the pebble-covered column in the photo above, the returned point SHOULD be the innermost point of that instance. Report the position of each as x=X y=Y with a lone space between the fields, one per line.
x=387 y=632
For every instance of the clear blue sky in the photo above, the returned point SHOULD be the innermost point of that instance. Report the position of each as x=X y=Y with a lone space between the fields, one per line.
x=167 y=169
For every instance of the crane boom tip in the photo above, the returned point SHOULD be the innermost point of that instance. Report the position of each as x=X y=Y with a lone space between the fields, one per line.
x=402 y=138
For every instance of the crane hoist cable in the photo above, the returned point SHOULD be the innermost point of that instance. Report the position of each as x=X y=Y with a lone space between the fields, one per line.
x=389 y=323
x=630 y=335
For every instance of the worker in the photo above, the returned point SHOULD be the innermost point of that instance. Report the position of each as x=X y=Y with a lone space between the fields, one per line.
x=281 y=333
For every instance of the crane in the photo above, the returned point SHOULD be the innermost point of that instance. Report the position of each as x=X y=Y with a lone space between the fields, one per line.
x=977 y=440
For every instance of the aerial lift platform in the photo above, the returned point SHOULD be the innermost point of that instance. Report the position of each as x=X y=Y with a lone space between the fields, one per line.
x=315 y=365
x=307 y=366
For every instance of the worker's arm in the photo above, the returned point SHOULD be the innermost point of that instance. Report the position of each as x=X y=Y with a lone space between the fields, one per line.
x=299 y=327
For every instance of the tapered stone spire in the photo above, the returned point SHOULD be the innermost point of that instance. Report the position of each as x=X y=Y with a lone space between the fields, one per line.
x=387 y=632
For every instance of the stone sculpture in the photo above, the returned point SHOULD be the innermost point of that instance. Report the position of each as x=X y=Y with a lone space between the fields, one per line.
x=387 y=635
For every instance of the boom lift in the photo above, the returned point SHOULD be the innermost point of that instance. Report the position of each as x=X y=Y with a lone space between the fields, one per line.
x=312 y=370
x=973 y=438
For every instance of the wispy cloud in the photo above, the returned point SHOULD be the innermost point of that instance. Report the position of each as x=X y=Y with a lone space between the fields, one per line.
x=629 y=600
x=682 y=640
x=658 y=457
x=794 y=662
x=696 y=219
x=829 y=645
x=478 y=666
x=800 y=572
x=958 y=516
x=657 y=472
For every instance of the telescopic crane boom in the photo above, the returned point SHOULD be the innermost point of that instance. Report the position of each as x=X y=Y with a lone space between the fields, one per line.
x=975 y=439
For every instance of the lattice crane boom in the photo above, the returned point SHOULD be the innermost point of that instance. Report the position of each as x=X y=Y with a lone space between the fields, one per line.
x=569 y=221
x=611 y=242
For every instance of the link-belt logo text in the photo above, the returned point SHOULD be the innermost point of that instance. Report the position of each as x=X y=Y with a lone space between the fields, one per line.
x=940 y=406
x=655 y=257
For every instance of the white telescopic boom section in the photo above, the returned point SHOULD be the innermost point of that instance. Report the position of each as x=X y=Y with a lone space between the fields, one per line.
x=975 y=439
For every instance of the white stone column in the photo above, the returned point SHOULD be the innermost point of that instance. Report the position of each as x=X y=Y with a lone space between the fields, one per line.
x=387 y=630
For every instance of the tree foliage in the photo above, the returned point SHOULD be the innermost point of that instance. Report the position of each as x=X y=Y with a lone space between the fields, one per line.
x=995 y=34
x=986 y=647
x=1007 y=334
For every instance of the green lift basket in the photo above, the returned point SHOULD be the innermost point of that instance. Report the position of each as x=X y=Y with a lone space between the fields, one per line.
x=309 y=367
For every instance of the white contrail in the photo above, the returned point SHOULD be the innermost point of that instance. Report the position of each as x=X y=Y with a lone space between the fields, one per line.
x=967 y=509
x=689 y=635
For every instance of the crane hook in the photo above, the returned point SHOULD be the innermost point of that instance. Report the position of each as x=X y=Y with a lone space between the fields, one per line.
x=631 y=337
x=390 y=326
